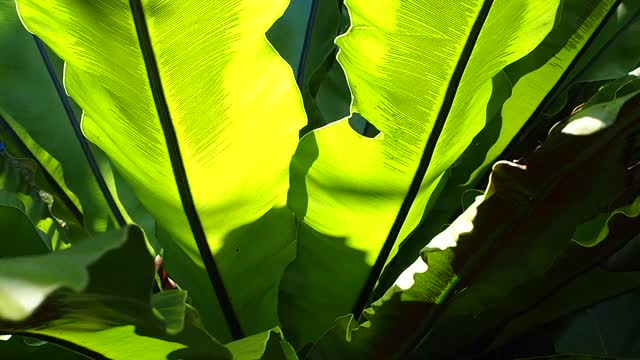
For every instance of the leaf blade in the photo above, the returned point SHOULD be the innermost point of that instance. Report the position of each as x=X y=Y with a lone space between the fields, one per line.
x=403 y=86
x=205 y=74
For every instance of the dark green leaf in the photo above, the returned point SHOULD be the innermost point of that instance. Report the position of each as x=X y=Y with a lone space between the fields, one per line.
x=510 y=249
x=96 y=296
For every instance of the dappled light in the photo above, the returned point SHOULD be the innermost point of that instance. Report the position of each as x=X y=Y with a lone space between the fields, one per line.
x=319 y=180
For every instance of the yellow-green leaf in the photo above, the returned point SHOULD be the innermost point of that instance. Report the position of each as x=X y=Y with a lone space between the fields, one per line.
x=420 y=72
x=190 y=102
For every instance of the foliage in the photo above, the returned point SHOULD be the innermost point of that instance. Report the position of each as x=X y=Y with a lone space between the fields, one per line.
x=287 y=162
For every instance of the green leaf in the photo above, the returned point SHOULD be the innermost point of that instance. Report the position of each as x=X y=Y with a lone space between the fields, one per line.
x=320 y=67
x=84 y=297
x=289 y=32
x=333 y=96
x=17 y=190
x=549 y=262
x=405 y=63
x=268 y=345
x=304 y=37
x=575 y=295
x=550 y=62
x=43 y=126
x=606 y=329
x=450 y=197
x=203 y=104
x=625 y=259
x=510 y=250
x=26 y=240
x=16 y=348
x=42 y=130
x=28 y=281
x=526 y=85
x=612 y=54
x=72 y=217
x=596 y=230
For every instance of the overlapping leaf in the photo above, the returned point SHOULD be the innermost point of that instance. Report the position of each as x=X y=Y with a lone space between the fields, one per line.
x=527 y=86
x=606 y=329
x=290 y=32
x=357 y=196
x=268 y=345
x=16 y=348
x=190 y=102
x=304 y=37
x=575 y=295
x=531 y=88
x=43 y=131
x=511 y=248
x=19 y=197
x=83 y=298
x=34 y=117
x=613 y=52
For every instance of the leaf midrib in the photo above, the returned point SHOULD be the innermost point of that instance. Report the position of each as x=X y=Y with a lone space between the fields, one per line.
x=68 y=345
x=84 y=144
x=179 y=170
x=306 y=45
x=524 y=133
x=538 y=199
x=58 y=190
x=425 y=160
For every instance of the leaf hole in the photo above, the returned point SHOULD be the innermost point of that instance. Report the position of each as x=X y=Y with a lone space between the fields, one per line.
x=363 y=127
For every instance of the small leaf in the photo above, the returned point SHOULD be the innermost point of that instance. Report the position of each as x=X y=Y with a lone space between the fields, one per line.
x=268 y=345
